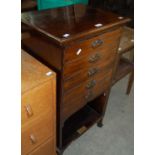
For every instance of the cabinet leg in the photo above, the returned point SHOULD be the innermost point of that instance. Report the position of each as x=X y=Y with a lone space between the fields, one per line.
x=100 y=123
x=130 y=83
x=60 y=152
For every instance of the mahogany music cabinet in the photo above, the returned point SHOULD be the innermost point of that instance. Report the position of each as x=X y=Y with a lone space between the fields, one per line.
x=38 y=108
x=80 y=44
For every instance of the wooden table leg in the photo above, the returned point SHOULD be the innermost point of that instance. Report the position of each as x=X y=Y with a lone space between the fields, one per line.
x=131 y=78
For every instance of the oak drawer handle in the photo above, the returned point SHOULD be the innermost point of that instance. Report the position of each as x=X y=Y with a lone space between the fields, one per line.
x=92 y=71
x=33 y=139
x=91 y=84
x=94 y=58
x=29 y=110
x=97 y=43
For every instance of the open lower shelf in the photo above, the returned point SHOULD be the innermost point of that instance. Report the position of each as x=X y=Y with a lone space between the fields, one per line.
x=77 y=124
x=124 y=67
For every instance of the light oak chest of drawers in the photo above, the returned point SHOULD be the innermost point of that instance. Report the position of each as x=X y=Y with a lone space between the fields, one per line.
x=38 y=108
x=80 y=44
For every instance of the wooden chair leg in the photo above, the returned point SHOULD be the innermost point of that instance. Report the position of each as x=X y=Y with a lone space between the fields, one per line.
x=131 y=78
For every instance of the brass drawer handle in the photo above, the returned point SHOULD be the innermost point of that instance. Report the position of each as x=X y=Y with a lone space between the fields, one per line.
x=92 y=71
x=94 y=58
x=89 y=95
x=97 y=43
x=91 y=84
x=29 y=110
x=33 y=139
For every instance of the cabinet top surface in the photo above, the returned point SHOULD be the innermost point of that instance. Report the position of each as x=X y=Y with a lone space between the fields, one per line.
x=33 y=72
x=75 y=21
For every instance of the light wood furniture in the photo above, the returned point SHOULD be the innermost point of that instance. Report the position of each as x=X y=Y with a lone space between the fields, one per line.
x=80 y=44
x=124 y=65
x=38 y=108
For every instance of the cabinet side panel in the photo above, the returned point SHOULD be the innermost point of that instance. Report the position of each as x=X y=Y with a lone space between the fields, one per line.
x=43 y=49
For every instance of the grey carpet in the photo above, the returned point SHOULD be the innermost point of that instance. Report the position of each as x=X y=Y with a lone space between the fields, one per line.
x=116 y=137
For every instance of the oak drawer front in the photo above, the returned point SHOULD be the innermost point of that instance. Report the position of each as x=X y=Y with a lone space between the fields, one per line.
x=96 y=72
x=84 y=48
x=37 y=101
x=36 y=132
x=77 y=97
x=94 y=59
x=47 y=148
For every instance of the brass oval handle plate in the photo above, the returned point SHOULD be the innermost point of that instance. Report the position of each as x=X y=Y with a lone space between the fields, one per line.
x=94 y=58
x=97 y=43
x=91 y=84
x=92 y=71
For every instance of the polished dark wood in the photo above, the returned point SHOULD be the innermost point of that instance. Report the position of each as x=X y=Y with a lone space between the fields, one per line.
x=76 y=20
x=108 y=41
x=84 y=62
